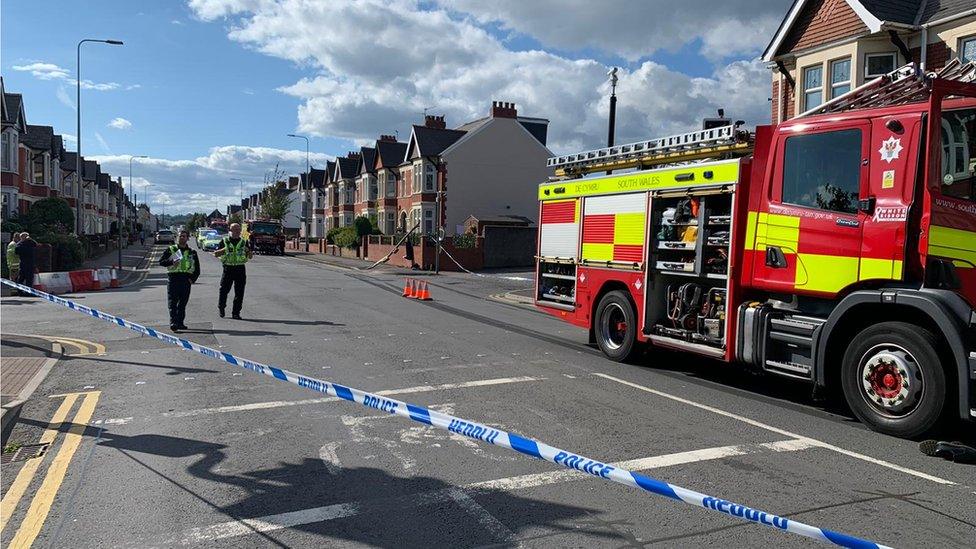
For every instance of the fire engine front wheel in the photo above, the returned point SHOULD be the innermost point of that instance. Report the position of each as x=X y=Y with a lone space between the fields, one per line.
x=616 y=326
x=893 y=379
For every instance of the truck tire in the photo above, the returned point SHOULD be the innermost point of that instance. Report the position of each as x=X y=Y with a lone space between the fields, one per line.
x=893 y=379
x=615 y=326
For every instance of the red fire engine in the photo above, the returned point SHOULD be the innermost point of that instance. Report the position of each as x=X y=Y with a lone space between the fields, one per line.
x=838 y=247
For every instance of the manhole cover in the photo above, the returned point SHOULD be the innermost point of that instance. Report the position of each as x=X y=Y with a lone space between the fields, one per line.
x=24 y=453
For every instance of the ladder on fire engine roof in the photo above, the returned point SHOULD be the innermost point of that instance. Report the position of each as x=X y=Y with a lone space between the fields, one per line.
x=723 y=141
x=899 y=87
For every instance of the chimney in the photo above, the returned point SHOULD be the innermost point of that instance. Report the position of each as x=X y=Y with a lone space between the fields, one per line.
x=353 y=155
x=435 y=122
x=500 y=109
x=388 y=138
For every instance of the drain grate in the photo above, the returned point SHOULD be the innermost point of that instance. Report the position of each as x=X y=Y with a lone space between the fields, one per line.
x=23 y=453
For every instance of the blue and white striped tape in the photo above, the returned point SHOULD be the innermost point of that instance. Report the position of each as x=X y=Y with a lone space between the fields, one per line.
x=483 y=433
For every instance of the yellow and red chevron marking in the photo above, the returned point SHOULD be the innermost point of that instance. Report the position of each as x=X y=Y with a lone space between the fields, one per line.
x=613 y=229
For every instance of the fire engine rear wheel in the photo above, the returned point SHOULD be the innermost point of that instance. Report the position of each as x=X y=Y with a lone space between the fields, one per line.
x=616 y=326
x=893 y=379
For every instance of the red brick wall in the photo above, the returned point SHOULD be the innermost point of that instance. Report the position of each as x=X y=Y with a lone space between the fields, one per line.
x=774 y=106
x=936 y=57
x=820 y=22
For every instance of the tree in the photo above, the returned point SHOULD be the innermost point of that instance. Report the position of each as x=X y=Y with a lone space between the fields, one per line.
x=50 y=215
x=235 y=218
x=276 y=203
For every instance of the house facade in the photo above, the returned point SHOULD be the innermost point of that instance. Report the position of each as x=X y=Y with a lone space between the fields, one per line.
x=825 y=48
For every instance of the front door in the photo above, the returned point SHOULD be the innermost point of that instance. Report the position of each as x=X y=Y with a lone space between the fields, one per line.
x=808 y=235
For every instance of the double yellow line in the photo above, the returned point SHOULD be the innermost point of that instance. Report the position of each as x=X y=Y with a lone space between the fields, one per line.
x=43 y=499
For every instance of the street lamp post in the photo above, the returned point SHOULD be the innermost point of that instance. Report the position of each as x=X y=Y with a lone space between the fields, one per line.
x=136 y=220
x=78 y=172
x=307 y=194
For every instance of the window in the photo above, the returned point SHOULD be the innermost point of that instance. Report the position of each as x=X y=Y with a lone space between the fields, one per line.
x=429 y=221
x=429 y=180
x=840 y=77
x=391 y=185
x=5 y=152
x=373 y=191
x=878 y=64
x=812 y=87
x=823 y=170
x=37 y=169
x=390 y=223
x=967 y=49
x=959 y=154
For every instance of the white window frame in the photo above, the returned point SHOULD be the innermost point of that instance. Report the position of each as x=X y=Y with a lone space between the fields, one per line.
x=806 y=91
x=848 y=82
x=9 y=156
x=962 y=46
x=868 y=56
x=429 y=179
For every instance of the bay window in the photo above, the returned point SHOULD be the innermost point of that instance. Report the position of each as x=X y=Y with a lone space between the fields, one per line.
x=812 y=87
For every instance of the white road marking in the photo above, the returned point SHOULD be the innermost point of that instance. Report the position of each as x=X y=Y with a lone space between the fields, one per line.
x=330 y=457
x=784 y=432
x=314 y=515
x=486 y=519
x=113 y=421
x=387 y=392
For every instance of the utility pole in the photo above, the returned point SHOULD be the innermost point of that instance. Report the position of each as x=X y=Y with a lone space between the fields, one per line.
x=612 y=73
x=135 y=210
x=308 y=191
x=78 y=172
x=118 y=219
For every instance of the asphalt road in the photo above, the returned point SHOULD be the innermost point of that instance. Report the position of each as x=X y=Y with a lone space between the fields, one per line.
x=162 y=447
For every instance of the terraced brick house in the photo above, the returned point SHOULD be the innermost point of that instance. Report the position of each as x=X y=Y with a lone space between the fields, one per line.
x=824 y=48
x=366 y=188
x=389 y=155
x=342 y=191
x=14 y=126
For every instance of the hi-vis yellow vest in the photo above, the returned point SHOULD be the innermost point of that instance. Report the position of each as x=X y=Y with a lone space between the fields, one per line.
x=234 y=255
x=185 y=264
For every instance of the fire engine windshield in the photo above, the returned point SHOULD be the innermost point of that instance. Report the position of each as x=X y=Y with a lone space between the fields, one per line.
x=959 y=154
x=264 y=228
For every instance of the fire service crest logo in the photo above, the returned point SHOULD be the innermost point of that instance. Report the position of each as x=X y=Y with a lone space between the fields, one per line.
x=890 y=148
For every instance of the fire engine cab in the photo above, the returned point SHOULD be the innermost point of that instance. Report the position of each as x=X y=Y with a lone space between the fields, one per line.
x=837 y=248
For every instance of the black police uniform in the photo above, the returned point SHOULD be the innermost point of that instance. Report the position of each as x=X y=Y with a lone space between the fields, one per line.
x=178 y=287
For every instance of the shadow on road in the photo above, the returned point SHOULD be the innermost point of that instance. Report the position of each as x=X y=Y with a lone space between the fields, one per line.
x=360 y=504
x=174 y=370
x=294 y=322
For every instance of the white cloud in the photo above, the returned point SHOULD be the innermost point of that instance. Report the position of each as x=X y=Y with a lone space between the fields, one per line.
x=103 y=143
x=50 y=71
x=634 y=30
x=389 y=59
x=43 y=71
x=120 y=123
x=64 y=98
x=195 y=184
x=176 y=22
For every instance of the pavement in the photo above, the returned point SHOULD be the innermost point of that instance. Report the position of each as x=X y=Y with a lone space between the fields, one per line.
x=147 y=445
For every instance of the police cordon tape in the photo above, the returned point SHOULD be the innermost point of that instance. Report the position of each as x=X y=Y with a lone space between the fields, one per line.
x=477 y=431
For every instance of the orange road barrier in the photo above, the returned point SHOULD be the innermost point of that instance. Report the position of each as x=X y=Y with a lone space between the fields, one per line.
x=424 y=294
x=406 y=288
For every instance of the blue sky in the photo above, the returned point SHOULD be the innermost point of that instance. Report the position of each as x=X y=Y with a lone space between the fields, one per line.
x=210 y=88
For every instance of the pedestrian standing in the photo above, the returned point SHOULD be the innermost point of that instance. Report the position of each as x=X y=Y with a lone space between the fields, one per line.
x=142 y=237
x=26 y=250
x=183 y=270
x=234 y=252
x=13 y=260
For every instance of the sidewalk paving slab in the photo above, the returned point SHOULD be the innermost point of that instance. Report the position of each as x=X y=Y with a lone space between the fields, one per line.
x=21 y=376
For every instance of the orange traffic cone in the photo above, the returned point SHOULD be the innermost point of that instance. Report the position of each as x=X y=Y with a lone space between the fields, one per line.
x=406 y=288
x=424 y=292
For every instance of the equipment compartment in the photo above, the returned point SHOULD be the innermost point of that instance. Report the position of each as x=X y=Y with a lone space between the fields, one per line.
x=557 y=284
x=687 y=297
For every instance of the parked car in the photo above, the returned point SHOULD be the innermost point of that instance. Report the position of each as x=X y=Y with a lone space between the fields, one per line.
x=211 y=241
x=202 y=234
x=165 y=236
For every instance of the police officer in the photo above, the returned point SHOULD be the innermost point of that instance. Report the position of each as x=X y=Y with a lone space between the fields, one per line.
x=13 y=260
x=184 y=269
x=234 y=252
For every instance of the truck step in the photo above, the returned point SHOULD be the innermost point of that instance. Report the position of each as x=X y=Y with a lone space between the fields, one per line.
x=789 y=368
